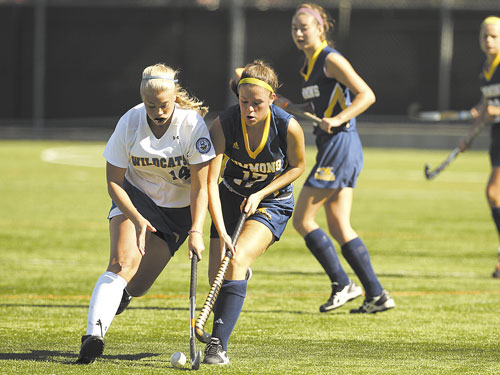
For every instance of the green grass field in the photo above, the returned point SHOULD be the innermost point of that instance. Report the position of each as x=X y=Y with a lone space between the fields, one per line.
x=432 y=243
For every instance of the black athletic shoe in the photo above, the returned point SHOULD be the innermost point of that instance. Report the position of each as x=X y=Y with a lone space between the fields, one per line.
x=214 y=353
x=340 y=295
x=496 y=274
x=249 y=274
x=92 y=347
x=376 y=304
x=126 y=298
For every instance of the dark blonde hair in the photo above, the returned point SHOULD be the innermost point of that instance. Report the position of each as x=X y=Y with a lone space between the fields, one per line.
x=167 y=80
x=260 y=70
x=328 y=21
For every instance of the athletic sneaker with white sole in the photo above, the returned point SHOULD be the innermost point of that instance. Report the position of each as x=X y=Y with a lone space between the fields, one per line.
x=249 y=274
x=125 y=301
x=214 y=353
x=340 y=295
x=376 y=304
x=92 y=347
x=496 y=273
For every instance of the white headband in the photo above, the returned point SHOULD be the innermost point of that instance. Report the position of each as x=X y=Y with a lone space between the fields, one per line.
x=159 y=77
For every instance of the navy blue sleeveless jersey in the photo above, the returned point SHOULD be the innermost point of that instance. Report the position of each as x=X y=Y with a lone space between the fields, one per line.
x=489 y=81
x=339 y=159
x=327 y=96
x=247 y=171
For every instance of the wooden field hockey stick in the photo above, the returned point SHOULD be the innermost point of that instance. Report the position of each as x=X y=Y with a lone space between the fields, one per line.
x=217 y=284
x=194 y=356
x=437 y=116
x=295 y=109
x=467 y=141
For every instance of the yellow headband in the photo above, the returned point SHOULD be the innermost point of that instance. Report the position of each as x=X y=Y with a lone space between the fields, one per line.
x=256 y=81
x=491 y=20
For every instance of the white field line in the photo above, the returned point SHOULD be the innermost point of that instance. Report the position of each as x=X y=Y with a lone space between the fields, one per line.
x=83 y=156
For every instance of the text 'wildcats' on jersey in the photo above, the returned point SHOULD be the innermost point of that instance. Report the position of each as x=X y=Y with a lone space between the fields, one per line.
x=247 y=171
x=159 y=167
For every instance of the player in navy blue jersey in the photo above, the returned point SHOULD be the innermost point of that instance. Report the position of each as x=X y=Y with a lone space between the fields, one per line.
x=263 y=151
x=489 y=109
x=328 y=81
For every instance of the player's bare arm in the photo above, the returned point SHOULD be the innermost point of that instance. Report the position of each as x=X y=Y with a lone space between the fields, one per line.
x=215 y=207
x=199 y=201
x=336 y=66
x=115 y=177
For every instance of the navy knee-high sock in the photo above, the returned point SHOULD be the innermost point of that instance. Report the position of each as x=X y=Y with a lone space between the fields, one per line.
x=356 y=254
x=227 y=309
x=495 y=212
x=323 y=249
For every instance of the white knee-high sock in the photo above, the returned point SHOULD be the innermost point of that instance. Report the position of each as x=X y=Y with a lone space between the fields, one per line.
x=104 y=302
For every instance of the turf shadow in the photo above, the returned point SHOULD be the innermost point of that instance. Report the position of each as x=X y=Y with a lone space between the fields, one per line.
x=70 y=357
x=87 y=306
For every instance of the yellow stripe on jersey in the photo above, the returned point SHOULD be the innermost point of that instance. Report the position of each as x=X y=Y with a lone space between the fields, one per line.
x=263 y=141
x=310 y=63
x=336 y=97
x=225 y=158
x=489 y=73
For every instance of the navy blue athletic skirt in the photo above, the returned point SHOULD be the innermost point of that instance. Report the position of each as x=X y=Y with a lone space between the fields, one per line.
x=338 y=162
x=273 y=213
x=172 y=224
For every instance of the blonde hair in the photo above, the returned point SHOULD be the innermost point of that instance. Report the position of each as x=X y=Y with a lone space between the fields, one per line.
x=160 y=77
x=491 y=20
x=262 y=71
x=328 y=22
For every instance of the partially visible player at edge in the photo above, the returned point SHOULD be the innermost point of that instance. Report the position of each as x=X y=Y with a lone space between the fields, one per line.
x=157 y=172
x=489 y=109
x=328 y=80
x=265 y=153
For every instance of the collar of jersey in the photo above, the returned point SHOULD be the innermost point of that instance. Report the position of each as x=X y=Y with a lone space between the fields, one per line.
x=265 y=135
x=489 y=73
x=310 y=63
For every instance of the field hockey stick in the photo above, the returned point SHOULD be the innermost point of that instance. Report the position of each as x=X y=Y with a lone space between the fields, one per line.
x=216 y=285
x=467 y=141
x=195 y=356
x=437 y=116
x=295 y=109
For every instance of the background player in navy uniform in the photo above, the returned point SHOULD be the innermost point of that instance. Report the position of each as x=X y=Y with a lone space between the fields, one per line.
x=157 y=172
x=328 y=79
x=489 y=109
x=265 y=153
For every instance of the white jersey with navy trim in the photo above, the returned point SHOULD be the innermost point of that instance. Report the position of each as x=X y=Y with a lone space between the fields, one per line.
x=160 y=167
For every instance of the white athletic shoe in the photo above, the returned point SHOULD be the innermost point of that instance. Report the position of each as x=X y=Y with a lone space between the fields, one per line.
x=214 y=353
x=249 y=274
x=376 y=304
x=340 y=295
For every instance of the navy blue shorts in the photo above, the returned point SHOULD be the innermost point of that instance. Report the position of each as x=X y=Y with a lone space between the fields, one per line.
x=495 y=145
x=172 y=224
x=338 y=162
x=273 y=213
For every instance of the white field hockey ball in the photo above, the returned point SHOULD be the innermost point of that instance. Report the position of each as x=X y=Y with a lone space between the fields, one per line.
x=178 y=359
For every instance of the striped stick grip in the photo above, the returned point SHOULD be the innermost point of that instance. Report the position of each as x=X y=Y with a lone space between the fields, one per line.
x=215 y=289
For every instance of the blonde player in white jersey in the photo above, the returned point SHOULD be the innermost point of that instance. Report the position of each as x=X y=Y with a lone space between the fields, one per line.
x=156 y=170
